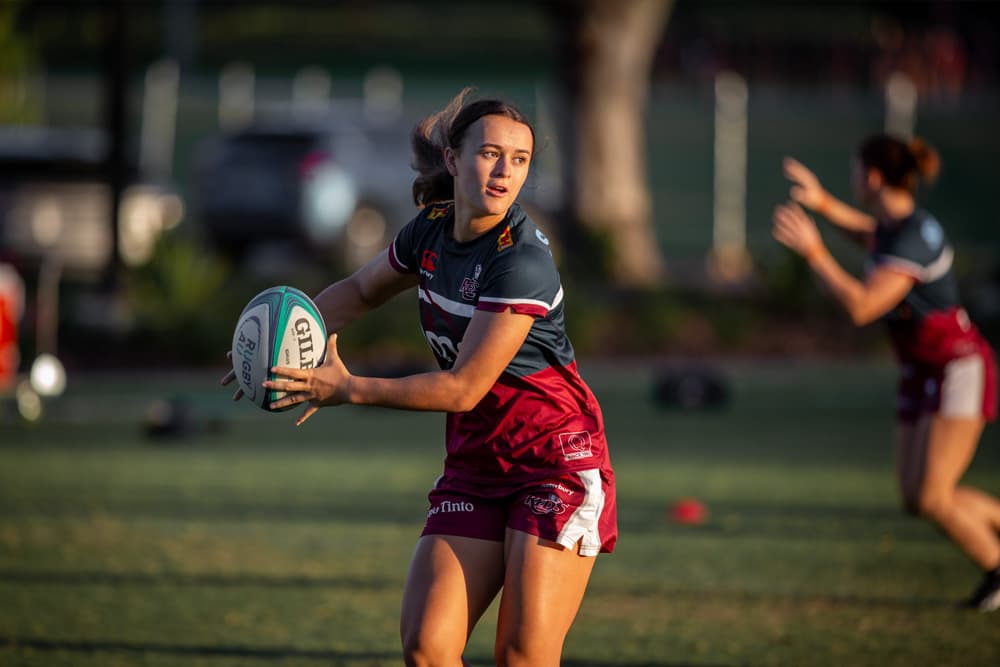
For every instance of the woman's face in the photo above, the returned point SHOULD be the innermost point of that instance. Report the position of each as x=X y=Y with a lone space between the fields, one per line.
x=491 y=165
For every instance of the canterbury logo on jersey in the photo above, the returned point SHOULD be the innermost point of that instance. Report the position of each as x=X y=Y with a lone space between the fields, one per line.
x=428 y=261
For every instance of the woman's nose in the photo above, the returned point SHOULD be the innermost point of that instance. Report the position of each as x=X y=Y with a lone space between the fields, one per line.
x=501 y=167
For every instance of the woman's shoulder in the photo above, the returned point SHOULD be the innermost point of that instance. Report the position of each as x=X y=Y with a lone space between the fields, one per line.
x=920 y=238
x=436 y=211
x=524 y=234
x=430 y=218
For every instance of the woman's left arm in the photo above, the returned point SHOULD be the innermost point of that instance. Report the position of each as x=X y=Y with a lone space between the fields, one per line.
x=865 y=301
x=490 y=342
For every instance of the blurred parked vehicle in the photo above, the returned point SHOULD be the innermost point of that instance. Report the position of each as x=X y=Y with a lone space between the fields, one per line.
x=55 y=202
x=336 y=189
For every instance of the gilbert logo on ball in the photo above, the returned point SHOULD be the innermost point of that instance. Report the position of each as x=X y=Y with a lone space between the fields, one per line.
x=281 y=326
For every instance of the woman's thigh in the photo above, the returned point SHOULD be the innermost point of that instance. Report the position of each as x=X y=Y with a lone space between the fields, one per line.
x=543 y=589
x=951 y=446
x=451 y=582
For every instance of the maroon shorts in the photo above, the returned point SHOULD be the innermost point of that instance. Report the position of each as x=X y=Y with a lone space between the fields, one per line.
x=576 y=508
x=963 y=387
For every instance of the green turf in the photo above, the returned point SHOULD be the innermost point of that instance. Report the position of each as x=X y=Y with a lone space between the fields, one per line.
x=252 y=542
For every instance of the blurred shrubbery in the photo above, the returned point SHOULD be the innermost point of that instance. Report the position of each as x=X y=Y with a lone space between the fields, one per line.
x=177 y=302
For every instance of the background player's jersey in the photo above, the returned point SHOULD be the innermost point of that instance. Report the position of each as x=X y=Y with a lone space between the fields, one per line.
x=929 y=325
x=540 y=417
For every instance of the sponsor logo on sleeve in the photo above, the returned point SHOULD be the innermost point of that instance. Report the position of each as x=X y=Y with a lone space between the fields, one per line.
x=932 y=233
x=576 y=445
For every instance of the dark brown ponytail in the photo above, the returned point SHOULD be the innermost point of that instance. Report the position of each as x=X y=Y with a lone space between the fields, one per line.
x=428 y=141
x=927 y=159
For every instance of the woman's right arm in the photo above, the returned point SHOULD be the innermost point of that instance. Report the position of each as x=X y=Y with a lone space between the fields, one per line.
x=369 y=287
x=808 y=191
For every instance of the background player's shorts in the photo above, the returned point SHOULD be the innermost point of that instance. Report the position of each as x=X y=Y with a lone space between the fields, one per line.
x=573 y=508
x=963 y=387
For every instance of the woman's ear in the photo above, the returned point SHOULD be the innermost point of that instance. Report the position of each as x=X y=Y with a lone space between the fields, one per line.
x=873 y=177
x=449 y=161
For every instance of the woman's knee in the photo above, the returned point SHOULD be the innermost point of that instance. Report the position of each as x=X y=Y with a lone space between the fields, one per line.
x=420 y=650
x=931 y=504
x=514 y=654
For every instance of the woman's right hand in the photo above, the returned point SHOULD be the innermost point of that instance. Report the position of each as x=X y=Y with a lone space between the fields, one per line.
x=806 y=188
x=229 y=377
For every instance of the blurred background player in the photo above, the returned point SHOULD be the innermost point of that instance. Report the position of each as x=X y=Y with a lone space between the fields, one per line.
x=948 y=383
x=527 y=497
x=11 y=309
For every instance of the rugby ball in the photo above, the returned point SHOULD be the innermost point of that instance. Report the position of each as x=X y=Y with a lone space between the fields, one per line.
x=281 y=326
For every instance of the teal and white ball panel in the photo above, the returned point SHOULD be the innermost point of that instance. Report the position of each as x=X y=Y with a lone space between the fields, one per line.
x=300 y=336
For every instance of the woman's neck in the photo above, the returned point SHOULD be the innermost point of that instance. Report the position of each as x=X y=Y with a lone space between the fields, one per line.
x=470 y=225
x=894 y=205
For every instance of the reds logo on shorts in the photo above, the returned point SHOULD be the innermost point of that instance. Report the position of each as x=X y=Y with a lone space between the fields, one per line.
x=553 y=504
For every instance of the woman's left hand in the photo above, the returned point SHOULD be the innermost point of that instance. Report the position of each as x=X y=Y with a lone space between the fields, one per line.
x=321 y=386
x=796 y=230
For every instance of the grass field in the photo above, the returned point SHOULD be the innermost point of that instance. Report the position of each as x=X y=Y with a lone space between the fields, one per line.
x=251 y=542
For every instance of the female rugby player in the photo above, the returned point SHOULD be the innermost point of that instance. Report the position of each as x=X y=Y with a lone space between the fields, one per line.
x=527 y=497
x=948 y=384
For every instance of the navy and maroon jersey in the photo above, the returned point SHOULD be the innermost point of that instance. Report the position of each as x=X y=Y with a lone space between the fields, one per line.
x=540 y=418
x=929 y=325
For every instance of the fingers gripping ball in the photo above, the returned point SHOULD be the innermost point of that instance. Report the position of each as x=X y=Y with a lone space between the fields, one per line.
x=281 y=326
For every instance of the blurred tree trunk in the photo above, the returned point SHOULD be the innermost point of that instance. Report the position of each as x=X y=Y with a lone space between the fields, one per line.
x=607 y=50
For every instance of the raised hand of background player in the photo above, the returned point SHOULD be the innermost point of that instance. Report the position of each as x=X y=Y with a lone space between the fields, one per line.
x=806 y=188
x=796 y=230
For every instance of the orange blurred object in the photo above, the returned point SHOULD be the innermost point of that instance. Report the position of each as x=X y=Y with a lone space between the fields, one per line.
x=11 y=307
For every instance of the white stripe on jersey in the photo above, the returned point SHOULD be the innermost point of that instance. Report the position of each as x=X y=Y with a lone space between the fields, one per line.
x=446 y=304
x=392 y=249
x=529 y=302
x=939 y=266
x=925 y=274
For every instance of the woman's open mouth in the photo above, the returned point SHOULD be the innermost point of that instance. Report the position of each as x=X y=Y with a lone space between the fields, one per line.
x=496 y=190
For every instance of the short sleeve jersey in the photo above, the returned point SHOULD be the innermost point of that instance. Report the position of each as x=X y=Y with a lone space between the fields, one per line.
x=929 y=323
x=539 y=418
x=919 y=248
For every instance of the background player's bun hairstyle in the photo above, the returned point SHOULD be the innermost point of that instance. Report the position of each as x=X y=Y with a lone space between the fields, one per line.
x=903 y=164
x=446 y=128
